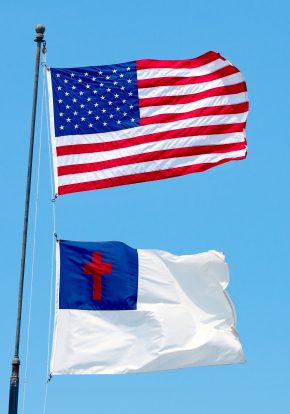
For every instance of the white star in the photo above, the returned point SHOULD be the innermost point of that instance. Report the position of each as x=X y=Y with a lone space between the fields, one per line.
x=95 y=91
x=58 y=75
x=66 y=94
x=128 y=68
x=89 y=99
x=67 y=106
x=75 y=113
x=73 y=87
x=117 y=109
x=88 y=86
x=111 y=116
x=81 y=92
x=60 y=101
x=89 y=112
x=86 y=74
x=82 y=105
x=65 y=81
x=133 y=119
x=116 y=95
x=131 y=106
x=121 y=76
x=100 y=73
x=72 y=75
x=129 y=80
x=97 y=117
x=130 y=93
x=76 y=126
x=110 y=102
x=101 y=85
x=114 y=70
x=104 y=110
x=83 y=118
x=94 y=79
x=96 y=104
x=122 y=88
x=59 y=88
x=108 y=90
x=74 y=100
x=90 y=125
x=125 y=113
x=61 y=127
x=68 y=120
x=102 y=97
x=118 y=122
x=124 y=100
x=115 y=83
x=61 y=114
x=105 y=123
x=107 y=77
x=79 y=80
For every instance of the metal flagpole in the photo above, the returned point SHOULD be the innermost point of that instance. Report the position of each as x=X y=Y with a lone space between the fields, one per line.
x=14 y=380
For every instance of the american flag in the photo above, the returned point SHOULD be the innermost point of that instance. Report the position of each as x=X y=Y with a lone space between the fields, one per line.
x=145 y=120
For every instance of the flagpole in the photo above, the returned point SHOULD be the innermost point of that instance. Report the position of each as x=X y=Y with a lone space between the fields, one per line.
x=14 y=380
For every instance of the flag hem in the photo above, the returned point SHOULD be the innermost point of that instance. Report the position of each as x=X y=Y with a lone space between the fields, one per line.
x=56 y=304
x=52 y=131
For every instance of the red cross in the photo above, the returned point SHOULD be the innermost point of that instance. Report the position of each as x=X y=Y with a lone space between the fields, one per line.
x=97 y=268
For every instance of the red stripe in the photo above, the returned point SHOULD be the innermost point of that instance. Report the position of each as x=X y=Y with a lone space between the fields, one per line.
x=143 y=139
x=178 y=64
x=138 y=178
x=209 y=110
x=182 y=80
x=151 y=156
x=183 y=99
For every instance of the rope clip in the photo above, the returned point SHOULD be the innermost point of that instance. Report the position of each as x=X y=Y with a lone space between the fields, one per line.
x=44 y=47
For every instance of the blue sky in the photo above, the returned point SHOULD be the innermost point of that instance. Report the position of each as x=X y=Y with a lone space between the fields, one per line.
x=241 y=208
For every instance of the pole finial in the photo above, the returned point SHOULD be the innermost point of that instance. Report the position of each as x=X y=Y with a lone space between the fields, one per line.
x=40 y=29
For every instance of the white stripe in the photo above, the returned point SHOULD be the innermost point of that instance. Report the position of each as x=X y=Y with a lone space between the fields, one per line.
x=201 y=70
x=202 y=103
x=189 y=89
x=150 y=147
x=150 y=129
x=147 y=167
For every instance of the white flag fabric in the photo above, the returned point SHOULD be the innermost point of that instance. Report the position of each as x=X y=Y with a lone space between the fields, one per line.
x=177 y=313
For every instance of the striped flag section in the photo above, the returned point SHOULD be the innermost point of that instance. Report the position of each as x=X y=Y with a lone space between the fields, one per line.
x=146 y=120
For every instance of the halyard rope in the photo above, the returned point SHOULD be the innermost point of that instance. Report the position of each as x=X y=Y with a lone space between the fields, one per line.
x=33 y=253
x=53 y=245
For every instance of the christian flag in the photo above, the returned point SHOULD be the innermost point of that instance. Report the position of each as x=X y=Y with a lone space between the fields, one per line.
x=121 y=310
x=145 y=120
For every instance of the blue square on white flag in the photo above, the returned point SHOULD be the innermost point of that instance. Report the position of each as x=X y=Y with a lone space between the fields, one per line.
x=98 y=276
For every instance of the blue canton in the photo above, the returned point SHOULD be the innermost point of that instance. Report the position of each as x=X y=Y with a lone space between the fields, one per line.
x=119 y=288
x=95 y=99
